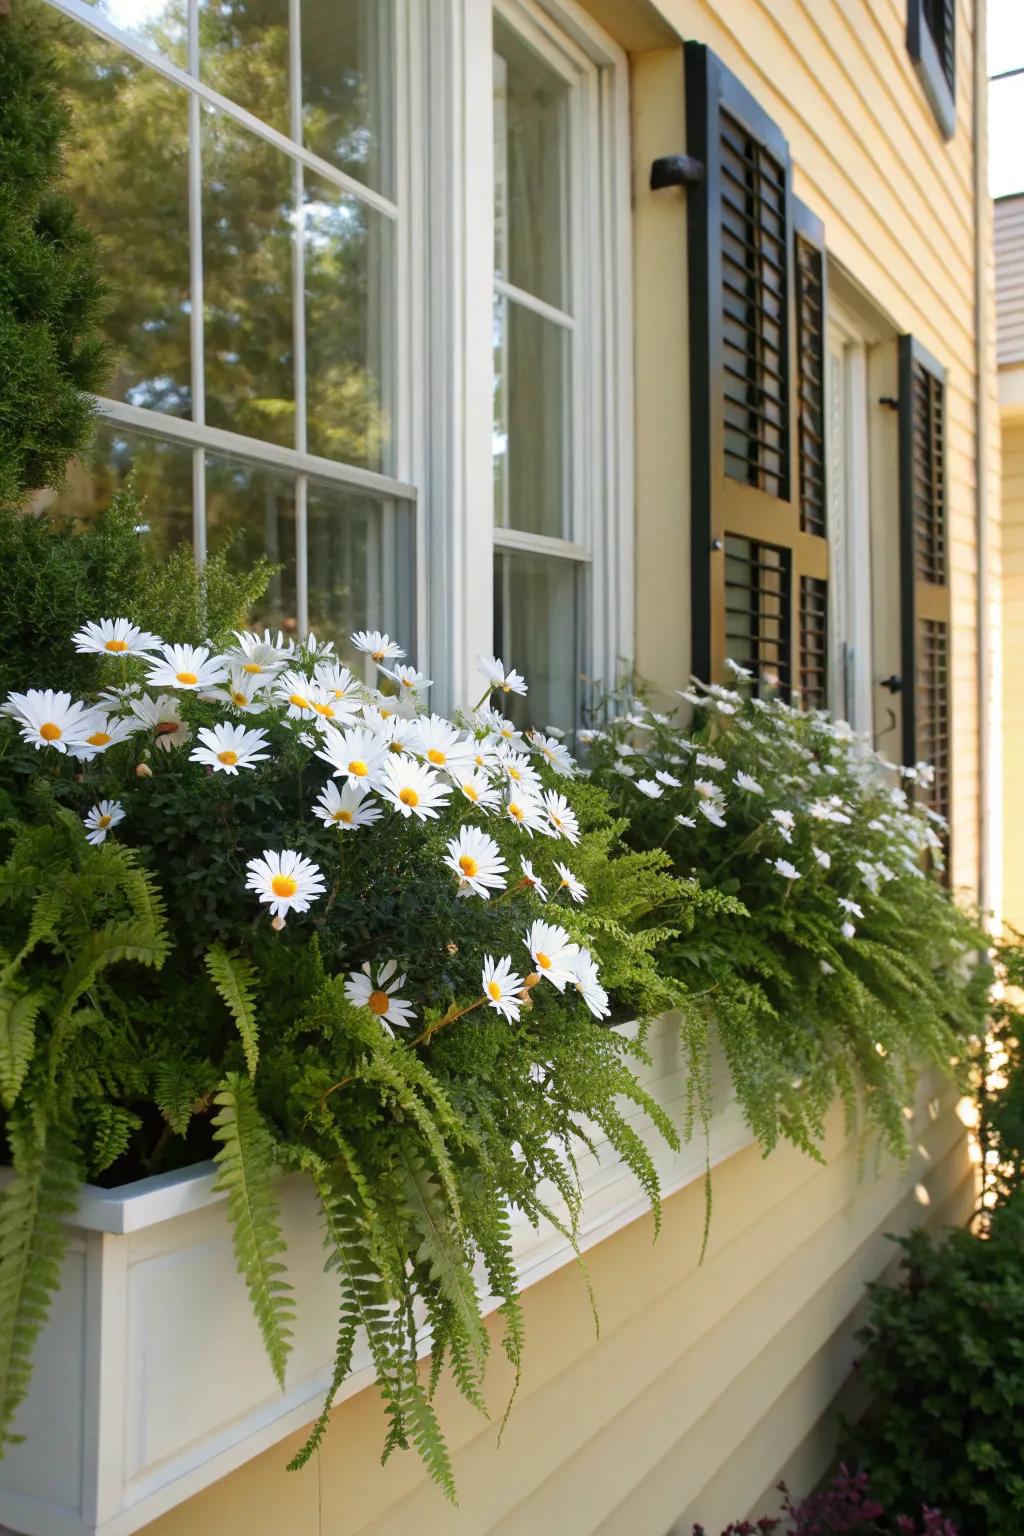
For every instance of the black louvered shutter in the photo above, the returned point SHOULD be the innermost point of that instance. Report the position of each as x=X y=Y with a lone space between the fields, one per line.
x=924 y=569
x=757 y=316
x=931 y=43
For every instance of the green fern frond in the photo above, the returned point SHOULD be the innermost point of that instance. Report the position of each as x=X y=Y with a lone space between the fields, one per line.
x=441 y=1251
x=244 y=1159
x=425 y=1433
x=18 y=1014
x=235 y=980
x=32 y=1240
x=178 y=1085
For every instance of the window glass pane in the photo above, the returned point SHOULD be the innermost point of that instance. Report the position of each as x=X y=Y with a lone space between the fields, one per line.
x=247 y=279
x=349 y=320
x=243 y=53
x=361 y=568
x=161 y=24
x=127 y=173
x=162 y=475
x=347 y=71
x=532 y=421
x=251 y=512
x=536 y=629
x=531 y=142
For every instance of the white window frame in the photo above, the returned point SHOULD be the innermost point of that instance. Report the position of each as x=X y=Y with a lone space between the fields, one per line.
x=600 y=518
x=406 y=396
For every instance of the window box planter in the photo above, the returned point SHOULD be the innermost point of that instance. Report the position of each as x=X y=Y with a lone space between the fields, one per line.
x=151 y=1381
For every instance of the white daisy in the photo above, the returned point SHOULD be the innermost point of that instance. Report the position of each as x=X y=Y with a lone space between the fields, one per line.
x=869 y=874
x=852 y=908
x=626 y=769
x=784 y=823
x=441 y=744
x=475 y=860
x=244 y=691
x=285 y=881
x=822 y=856
x=485 y=755
x=115 y=637
x=413 y=789
x=554 y=752
x=226 y=748
x=294 y=689
x=355 y=754
x=587 y=982
x=493 y=669
x=736 y=669
x=553 y=952
x=708 y=789
x=258 y=655
x=186 y=666
x=668 y=779
x=532 y=880
x=347 y=808
x=408 y=679
x=103 y=731
x=393 y=704
x=397 y=732
x=379 y=994
x=502 y=727
x=847 y=929
x=378 y=646
x=519 y=771
x=713 y=810
x=336 y=679
x=49 y=719
x=688 y=821
x=100 y=819
x=316 y=650
x=567 y=881
x=649 y=787
x=747 y=782
x=709 y=760
x=528 y=813
x=784 y=868
x=502 y=987
x=328 y=709
x=561 y=816
x=162 y=716
x=478 y=790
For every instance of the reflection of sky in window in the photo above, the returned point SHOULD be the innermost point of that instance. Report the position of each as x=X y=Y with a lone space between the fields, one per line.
x=1006 y=97
x=133 y=15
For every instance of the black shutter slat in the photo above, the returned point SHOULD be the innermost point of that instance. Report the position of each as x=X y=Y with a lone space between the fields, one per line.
x=924 y=583
x=758 y=617
x=810 y=361
x=813 y=633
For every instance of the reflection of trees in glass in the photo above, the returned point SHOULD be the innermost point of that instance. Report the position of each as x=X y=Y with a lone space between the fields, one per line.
x=247 y=282
x=346 y=73
x=361 y=565
x=250 y=513
x=347 y=253
x=243 y=53
x=127 y=173
x=162 y=477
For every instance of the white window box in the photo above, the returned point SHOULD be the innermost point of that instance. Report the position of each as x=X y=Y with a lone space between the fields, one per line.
x=150 y=1378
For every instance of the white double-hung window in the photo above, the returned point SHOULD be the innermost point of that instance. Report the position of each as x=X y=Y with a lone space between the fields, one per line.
x=370 y=315
x=562 y=573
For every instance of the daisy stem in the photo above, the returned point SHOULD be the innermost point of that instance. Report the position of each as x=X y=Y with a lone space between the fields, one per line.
x=482 y=700
x=510 y=890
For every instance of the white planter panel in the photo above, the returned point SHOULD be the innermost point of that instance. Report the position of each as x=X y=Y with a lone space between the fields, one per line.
x=150 y=1378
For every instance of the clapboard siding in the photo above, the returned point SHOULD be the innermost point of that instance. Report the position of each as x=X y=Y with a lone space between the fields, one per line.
x=1009 y=257
x=705 y=1380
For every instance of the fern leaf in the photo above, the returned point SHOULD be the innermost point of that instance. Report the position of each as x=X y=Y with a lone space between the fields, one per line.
x=32 y=1239
x=177 y=1087
x=442 y=1253
x=235 y=980
x=18 y=1013
x=244 y=1160
x=426 y=1435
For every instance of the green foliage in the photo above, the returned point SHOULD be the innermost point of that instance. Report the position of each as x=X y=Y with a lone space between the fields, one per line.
x=245 y=1166
x=235 y=980
x=57 y=577
x=51 y=295
x=944 y=1363
x=998 y=1077
x=813 y=1000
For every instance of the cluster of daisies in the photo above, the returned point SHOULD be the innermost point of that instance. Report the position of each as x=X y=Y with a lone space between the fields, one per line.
x=802 y=756
x=388 y=754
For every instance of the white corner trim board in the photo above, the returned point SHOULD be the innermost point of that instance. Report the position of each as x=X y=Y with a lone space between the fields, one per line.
x=150 y=1380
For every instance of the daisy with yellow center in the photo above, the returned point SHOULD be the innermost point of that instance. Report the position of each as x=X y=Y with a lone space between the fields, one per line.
x=285 y=882
x=258 y=655
x=295 y=689
x=378 y=993
x=161 y=715
x=115 y=637
x=377 y=646
x=519 y=771
x=506 y=680
x=49 y=719
x=102 y=731
x=226 y=748
x=408 y=679
x=478 y=789
x=568 y=882
x=437 y=740
x=561 y=816
x=587 y=983
x=412 y=789
x=347 y=808
x=526 y=812
x=355 y=754
x=476 y=862
x=244 y=691
x=395 y=730
x=335 y=679
x=328 y=709
x=100 y=819
x=186 y=666
x=502 y=987
x=533 y=880
x=553 y=952
x=555 y=753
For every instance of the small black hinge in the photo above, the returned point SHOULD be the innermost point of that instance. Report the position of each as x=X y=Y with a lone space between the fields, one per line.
x=890 y=401
x=675 y=171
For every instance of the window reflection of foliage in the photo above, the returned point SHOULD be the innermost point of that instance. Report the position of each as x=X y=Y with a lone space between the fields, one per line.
x=243 y=53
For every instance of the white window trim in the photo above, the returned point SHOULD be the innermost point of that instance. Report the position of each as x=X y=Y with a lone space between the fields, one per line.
x=406 y=396
x=601 y=522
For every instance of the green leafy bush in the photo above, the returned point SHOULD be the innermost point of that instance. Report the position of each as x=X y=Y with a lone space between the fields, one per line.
x=999 y=1080
x=255 y=906
x=841 y=968
x=51 y=294
x=944 y=1362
